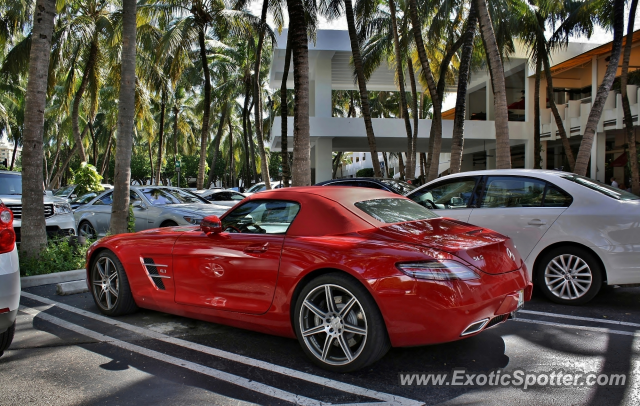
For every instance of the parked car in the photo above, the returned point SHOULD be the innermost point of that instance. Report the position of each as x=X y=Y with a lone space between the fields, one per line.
x=575 y=234
x=82 y=200
x=390 y=185
x=68 y=192
x=153 y=206
x=9 y=279
x=347 y=274
x=260 y=186
x=222 y=197
x=57 y=212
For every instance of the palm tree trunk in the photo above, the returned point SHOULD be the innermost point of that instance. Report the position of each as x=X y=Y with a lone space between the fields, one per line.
x=58 y=176
x=13 y=155
x=536 y=115
x=163 y=105
x=584 y=153
x=556 y=115
x=257 y=97
x=245 y=132
x=336 y=163
x=94 y=143
x=204 y=137
x=105 y=162
x=126 y=110
x=53 y=163
x=75 y=111
x=231 y=165
x=151 y=163
x=414 y=91
x=503 y=149
x=387 y=173
x=457 y=138
x=422 y=54
x=362 y=86
x=628 y=121
x=401 y=165
x=176 y=111
x=301 y=172
x=216 y=145
x=403 y=95
x=284 y=114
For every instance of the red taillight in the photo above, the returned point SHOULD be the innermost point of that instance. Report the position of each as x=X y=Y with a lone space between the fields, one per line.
x=7 y=234
x=5 y=310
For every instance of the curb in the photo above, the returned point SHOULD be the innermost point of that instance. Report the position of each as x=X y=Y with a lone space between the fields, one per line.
x=71 y=288
x=52 y=278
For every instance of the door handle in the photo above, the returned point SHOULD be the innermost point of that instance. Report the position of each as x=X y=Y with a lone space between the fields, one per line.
x=537 y=222
x=256 y=249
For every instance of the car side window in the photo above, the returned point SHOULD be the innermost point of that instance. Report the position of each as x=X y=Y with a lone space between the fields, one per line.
x=261 y=217
x=454 y=194
x=105 y=200
x=512 y=191
x=133 y=196
x=236 y=196
x=555 y=197
x=216 y=197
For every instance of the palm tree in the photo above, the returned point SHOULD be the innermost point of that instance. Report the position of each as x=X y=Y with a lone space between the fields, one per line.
x=284 y=113
x=503 y=149
x=264 y=166
x=126 y=111
x=584 y=153
x=33 y=228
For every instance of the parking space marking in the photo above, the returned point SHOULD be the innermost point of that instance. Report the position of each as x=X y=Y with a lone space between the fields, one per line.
x=594 y=329
x=214 y=373
x=567 y=316
x=344 y=387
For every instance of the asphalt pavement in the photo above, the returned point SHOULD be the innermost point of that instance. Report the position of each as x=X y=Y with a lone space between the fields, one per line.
x=66 y=353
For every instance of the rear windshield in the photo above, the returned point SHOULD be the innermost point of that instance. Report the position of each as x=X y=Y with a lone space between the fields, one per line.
x=395 y=210
x=610 y=191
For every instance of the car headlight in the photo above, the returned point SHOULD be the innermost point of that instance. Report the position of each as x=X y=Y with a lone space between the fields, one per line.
x=438 y=270
x=193 y=220
x=62 y=208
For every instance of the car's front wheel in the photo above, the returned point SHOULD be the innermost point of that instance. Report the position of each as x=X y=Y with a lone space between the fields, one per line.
x=110 y=285
x=86 y=230
x=6 y=338
x=569 y=275
x=338 y=324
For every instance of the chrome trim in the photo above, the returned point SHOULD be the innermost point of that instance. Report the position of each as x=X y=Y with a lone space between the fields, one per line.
x=144 y=264
x=156 y=265
x=483 y=323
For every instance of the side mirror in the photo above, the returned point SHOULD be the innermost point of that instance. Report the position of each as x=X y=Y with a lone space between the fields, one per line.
x=137 y=204
x=211 y=225
x=73 y=196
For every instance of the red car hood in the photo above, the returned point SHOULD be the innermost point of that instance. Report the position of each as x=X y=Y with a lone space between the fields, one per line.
x=485 y=249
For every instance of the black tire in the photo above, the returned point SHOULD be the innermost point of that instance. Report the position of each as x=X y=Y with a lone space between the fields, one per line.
x=6 y=338
x=124 y=302
x=90 y=230
x=575 y=268
x=364 y=314
x=169 y=223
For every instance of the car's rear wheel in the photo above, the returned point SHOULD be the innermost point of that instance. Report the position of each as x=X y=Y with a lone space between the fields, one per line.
x=338 y=324
x=86 y=230
x=6 y=338
x=110 y=286
x=569 y=275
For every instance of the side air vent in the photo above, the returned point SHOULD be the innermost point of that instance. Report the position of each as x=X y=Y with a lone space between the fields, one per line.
x=152 y=270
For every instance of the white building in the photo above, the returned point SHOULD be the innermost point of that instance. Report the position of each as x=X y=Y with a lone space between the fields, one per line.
x=577 y=72
x=6 y=152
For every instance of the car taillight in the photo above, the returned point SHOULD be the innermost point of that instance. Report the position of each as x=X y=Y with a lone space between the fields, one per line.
x=7 y=234
x=438 y=270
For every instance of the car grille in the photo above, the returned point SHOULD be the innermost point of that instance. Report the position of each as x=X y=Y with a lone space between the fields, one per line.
x=17 y=210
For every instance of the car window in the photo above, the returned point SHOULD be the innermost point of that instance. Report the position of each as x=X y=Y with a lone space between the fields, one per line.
x=85 y=198
x=257 y=188
x=215 y=197
x=395 y=210
x=555 y=197
x=236 y=196
x=65 y=191
x=104 y=200
x=261 y=217
x=161 y=196
x=511 y=191
x=10 y=184
x=453 y=194
x=600 y=187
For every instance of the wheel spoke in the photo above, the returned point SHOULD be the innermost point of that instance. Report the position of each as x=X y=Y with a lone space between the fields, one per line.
x=113 y=276
x=100 y=270
x=313 y=330
x=331 y=306
x=347 y=308
x=314 y=309
x=327 y=347
x=345 y=347
x=100 y=294
x=106 y=266
x=113 y=291
x=108 y=296
x=354 y=329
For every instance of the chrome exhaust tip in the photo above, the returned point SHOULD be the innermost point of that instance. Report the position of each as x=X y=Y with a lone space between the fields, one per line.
x=475 y=327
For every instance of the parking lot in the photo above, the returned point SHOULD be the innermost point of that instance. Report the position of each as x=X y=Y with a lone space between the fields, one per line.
x=72 y=355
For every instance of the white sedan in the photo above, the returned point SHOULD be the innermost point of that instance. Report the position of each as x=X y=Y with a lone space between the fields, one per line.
x=222 y=197
x=575 y=234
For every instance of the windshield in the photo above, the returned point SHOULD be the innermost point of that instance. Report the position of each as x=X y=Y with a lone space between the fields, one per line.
x=161 y=197
x=607 y=190
x=402 y=187
x=65 y=191
x=10 y=184
x=395 y=210
x=259 y=187
x=84 y=198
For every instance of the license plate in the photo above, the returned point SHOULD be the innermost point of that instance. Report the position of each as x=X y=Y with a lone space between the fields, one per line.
x=520 y=299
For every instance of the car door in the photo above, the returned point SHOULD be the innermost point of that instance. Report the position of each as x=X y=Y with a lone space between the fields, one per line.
x=140 y=213
x=235 y=270
x=515 y=206
x=101 y=213
x=448 y=198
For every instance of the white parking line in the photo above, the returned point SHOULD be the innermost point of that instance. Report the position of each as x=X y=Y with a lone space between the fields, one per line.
x=214 y=373
x=566 y=316
x=594 y=329
x=344 y=387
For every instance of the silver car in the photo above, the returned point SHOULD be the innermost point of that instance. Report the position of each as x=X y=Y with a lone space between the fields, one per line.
x=57 y=211
x=153 y=207
x=222 y=197
x=9 y=279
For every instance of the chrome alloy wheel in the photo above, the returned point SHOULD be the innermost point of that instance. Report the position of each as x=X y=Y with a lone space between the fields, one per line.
x=568 y=277
x=106 y=283
x=86 y=230
x=333 y=324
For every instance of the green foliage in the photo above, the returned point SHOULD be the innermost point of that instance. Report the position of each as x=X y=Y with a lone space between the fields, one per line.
x=57 y=256
x=131 y=221
x=140 y=167
x=275 y=162
x=87 y=179
x=365 y=173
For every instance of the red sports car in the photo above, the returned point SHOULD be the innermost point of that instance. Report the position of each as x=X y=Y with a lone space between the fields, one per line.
x=348 y=271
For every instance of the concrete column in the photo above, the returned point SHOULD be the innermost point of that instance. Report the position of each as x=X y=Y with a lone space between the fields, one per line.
x=322 y=157
x=598 y=157
x=491 y=159
x=558 y=153
x=543 y=154
x=322 y=96
x=312 y=98
x=528 y=154
x=529 y=84
x=489 y=97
